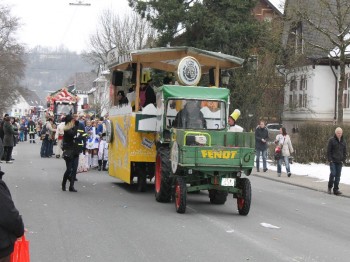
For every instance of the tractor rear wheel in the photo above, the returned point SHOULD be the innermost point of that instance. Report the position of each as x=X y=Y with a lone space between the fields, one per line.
x=244 y=200
x=217 y=197
x=162 y=185
x=180 y=195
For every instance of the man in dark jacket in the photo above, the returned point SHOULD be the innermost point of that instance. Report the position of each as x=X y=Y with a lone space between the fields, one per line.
x=72 y=147
x=11 y=224
x=261 y=137
x=9 y=139
x=336 y=155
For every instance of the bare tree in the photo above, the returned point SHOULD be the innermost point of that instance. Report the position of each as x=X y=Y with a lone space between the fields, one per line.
x=323 y=26
x=126 y=33
x=11 y=58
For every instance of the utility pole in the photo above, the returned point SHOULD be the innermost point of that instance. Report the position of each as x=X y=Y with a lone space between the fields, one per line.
x=80 y=3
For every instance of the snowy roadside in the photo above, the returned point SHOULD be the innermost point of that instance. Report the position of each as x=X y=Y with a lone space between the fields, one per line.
x=320 y=171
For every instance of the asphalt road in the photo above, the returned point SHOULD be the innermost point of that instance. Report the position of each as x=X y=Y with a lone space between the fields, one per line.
x=108 y=220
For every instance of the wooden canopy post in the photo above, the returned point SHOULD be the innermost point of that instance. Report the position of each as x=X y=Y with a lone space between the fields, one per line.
x=137 y=91
x=217 y=75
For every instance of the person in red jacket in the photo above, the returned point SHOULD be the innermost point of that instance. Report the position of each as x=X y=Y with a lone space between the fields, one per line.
x=11 y=223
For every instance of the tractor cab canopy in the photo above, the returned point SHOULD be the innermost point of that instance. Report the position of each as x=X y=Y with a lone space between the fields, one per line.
x=192 y=107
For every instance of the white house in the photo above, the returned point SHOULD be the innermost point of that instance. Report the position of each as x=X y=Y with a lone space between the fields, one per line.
x=100 y=92
x=311 y=95
x=25 y=102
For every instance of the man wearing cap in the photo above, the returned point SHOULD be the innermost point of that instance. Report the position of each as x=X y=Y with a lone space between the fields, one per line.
x=232 y=122
x=261 y=137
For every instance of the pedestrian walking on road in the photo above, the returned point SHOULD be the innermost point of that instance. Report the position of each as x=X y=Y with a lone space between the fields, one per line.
x=71 y=151
x=336 y=155
x=261 y=137
x=285 y=143
x=11 y=223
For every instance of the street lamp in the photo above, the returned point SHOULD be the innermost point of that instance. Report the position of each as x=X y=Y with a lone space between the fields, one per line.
x=128 y=72
x=225 y=78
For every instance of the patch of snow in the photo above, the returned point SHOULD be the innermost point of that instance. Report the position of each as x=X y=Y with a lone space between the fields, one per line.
x=319 y=171
x=267 y=225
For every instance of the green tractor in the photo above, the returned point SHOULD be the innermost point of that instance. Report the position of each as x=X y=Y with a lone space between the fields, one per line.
x=196 y=151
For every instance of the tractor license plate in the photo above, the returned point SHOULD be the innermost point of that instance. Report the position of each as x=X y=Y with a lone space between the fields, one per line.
x=228 y=181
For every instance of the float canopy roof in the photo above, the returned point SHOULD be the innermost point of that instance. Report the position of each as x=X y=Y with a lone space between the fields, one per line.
x=167 y=58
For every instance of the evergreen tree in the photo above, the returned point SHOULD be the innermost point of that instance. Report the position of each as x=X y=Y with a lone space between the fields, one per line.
x=227 y=26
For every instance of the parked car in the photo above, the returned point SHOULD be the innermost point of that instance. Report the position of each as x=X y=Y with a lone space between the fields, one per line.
x=273 y=126
x=274 y=130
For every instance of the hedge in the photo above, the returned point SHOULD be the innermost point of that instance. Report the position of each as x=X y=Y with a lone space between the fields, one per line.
x=310 y=143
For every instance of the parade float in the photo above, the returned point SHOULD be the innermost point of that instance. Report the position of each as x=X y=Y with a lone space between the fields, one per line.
x=62 y=102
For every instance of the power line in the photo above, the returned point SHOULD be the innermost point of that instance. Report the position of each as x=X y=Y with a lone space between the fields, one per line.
x=80 y=3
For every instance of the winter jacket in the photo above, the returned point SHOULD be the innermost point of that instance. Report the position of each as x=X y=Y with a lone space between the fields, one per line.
x=11 y=224
x=72 y=139
x=2 y=129
x=9 y=134
x=286 y=144
x=261 y=133
x=336 y=150
x=31 y=127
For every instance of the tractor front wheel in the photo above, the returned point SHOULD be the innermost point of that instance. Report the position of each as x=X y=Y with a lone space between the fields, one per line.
x=244 y=199
x=180 y=195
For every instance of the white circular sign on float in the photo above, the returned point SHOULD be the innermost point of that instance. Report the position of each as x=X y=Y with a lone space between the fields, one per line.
x=174 y=157
x=189 y=71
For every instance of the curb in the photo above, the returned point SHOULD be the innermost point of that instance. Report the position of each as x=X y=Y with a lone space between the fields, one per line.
x=294 y=183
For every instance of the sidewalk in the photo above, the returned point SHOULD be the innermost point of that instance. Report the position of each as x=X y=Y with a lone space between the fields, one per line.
x=302 y=181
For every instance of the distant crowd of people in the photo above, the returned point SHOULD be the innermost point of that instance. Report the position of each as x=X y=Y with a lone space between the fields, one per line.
x=89 y=141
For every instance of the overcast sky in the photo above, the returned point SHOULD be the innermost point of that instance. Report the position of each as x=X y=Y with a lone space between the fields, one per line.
x=52 y=23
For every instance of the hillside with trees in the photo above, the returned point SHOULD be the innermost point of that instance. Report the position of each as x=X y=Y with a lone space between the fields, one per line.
x=50 y=69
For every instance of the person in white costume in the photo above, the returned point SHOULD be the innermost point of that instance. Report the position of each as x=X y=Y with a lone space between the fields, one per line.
x=102 y=153
x=92 y=143
x=59 y=138
x=232 y=122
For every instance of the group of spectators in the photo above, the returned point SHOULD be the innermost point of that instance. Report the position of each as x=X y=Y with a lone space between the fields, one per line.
x=14 y=130
x=93 y=149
